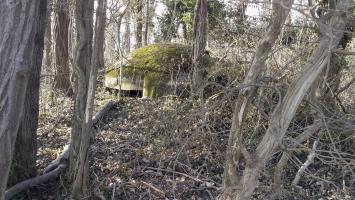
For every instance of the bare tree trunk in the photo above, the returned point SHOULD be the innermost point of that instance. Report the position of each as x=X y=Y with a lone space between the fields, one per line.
x=72 y=33
x=139 y=23
x=100 y=30
x=83 y=52
x=199 y=41
x=120 y=50
x=81 y=178
x=146 y=22
x=119 y=46
x=184 y=33
x=119 y=23
x=127 y=33
x=47 y=57
x=231 y=177
x=47 y=63
x=61 y=37
x=285 y=110
x=241 y=9
x=20 y=50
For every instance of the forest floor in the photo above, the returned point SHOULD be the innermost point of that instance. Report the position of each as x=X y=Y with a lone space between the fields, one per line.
x=162 y=149
x=143 y=149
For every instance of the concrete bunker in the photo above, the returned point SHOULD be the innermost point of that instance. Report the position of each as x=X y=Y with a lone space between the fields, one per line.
x=153 y=70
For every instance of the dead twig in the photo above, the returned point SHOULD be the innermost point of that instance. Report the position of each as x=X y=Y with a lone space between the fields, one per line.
x=153 y=187
x=185 y=175
x=113 y=191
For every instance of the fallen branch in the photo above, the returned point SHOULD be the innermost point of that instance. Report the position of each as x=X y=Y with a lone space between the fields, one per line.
x=339 y=51
x=57 y=166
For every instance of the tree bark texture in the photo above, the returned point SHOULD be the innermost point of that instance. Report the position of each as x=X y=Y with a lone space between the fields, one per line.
x=127 y=33
x=199 y=41
x=82 y=171
x=147 y=20
x=82 y=62
x=24 y=162
x=100 y=25
x=83 y=51
x=139 y=23
x=119 y=46
x=61 y=37
x=20 y=45
x=47 y=57
x=146 y=23
x=72 y=42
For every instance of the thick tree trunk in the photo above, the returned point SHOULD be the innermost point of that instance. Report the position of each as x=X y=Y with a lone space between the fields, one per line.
x=20 y=51
x=258 y=66
x=24 y=162
x=83 y=52
x=199 y=41
x=61 y=37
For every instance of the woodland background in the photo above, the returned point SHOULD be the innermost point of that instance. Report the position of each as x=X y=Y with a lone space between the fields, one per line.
x=267 y=113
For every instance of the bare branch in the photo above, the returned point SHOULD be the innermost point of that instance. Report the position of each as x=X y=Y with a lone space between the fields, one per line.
x=346 y=86
x=339 y=51
x=305 y=165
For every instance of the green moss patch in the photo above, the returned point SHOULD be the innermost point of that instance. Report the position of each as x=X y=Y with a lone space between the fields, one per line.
x=156 y=62
x=160 y=58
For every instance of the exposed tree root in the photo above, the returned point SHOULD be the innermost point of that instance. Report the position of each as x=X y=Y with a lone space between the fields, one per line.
x=63 y=157
x=35 y=181
x=102 y=112
x=57 y=166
